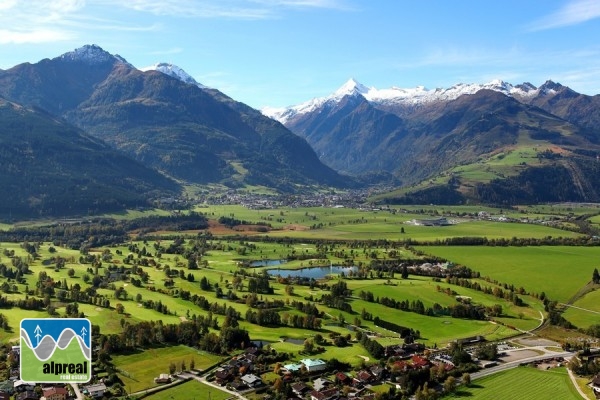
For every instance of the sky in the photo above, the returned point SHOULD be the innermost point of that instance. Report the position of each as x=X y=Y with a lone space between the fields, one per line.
x=283 y=52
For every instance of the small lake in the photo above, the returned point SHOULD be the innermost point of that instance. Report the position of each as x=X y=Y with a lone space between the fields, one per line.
x=312 y=272
x=266 y=263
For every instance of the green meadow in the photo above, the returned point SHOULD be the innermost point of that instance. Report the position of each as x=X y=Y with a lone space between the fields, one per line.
x=137 y=371
x=191 y=390
x=523 y=383
x=559 y=271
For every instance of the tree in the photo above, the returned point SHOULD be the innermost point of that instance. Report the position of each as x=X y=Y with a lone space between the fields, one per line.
x=596 y=277
x=450 y=384
x=309 y=345
x=278 y=385
x=172 y=368
x=192 y=364
x=120 y=308
x=466 y=379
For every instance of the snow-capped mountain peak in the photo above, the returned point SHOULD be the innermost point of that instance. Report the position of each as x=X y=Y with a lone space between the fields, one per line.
x=411 y=96
x=351 y=87
x=173 y=71
x=92 y=54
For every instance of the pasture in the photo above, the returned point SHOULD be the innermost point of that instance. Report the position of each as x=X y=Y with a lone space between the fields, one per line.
x=559 y=271
x=191 y=390
x=138 y=370
x=521 y=383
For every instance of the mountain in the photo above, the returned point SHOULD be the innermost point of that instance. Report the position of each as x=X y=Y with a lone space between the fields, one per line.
x=166 y=121
x=465 y=143
x=50 y=168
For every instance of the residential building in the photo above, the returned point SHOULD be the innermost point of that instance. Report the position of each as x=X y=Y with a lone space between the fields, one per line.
x=55 y=393
x=96 y=390
x=314 y=365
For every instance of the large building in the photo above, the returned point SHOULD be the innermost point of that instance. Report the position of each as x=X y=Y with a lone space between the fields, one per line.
x=314 y=365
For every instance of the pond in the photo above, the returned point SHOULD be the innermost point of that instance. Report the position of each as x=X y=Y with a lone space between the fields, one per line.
x=266 y=263
x=312 y=272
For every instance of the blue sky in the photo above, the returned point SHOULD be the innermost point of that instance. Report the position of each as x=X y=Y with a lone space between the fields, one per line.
x=283 y=52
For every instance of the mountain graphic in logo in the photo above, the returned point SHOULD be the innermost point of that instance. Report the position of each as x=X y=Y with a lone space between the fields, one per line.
x=56 y=350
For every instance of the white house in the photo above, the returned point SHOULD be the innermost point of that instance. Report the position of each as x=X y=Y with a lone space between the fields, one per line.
x=314 y=365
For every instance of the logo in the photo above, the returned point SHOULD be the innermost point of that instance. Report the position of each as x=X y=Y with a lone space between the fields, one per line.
x=56 y=350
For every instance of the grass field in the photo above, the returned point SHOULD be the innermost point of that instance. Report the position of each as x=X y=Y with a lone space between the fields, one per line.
x=558 y=271
x=588 y=311
x=192 y=390
x=138 y=370
x=523 y=383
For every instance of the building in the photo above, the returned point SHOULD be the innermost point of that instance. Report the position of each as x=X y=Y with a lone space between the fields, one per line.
x=96 y=390
x=27 y=395
x=328 y=394
x=431 y=222
x=314 y=365
x=596 y=385
x=291 y=368
x=163 y=378
x=55 y=393
x=251 y=380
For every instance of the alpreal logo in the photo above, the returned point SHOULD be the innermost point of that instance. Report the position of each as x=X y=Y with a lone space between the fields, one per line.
x=56 y=350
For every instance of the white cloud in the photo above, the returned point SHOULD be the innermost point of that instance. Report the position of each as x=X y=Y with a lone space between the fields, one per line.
x=573 y=13
x=232 y=9
x=33 y=36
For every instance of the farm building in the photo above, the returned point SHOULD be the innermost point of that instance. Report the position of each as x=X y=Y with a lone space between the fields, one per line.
x=431 y=222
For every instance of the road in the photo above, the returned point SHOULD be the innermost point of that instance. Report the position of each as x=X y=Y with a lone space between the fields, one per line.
x=516 y=363
x=214 y=385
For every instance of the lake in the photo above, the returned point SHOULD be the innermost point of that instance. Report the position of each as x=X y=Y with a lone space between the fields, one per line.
x=312 y=272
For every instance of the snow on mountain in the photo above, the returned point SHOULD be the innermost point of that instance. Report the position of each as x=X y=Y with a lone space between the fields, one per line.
x=92 y=54
x=412 y=96
x=173 y=71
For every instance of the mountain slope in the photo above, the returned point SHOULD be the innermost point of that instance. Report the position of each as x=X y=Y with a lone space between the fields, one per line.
x=52 y=168
x=179 y=128
x=466 y=142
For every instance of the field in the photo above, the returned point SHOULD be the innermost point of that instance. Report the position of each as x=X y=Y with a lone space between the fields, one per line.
x=137 y=371
x=523 y=383
x=587 y=312
x=192 y=390
x=558 y=271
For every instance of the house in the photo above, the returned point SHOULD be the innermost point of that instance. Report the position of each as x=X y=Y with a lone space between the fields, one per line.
x=7 y=386
x=4 y=395
x=291 y=368
x=342 y=378
x=223 y=375
x=22 y=386
x=96 y=390
x=27 y=395
x=321 y=383
x=596 y=384
x=55 y=393
x=419 y=362
x=378 y=372
x=163 y=378
x=314 y=365
x=364 y=376
x=237 y=386
x=252 y=380
x=328 y=394
x=300 y=388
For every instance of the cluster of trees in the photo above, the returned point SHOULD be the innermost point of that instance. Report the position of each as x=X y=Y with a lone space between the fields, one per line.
x=509 y=293
x=194 y=332
x=298 y=321
x=263 y=317
x=375 y=349
x=403 y=331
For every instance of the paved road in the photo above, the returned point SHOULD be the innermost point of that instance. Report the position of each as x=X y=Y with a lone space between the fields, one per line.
x=214 y=385
x=514 y=364
x=572 y=376
x=77 y=392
